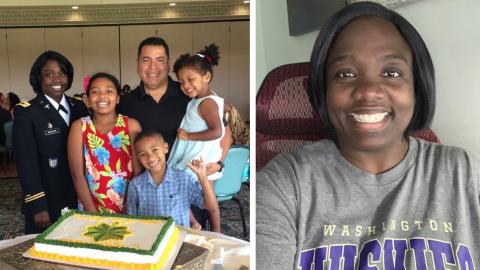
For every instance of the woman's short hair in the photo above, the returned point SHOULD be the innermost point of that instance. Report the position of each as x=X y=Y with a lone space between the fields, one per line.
x=36 y=70
x=423 y=71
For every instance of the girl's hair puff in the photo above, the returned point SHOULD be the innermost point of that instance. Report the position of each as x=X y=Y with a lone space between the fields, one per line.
x=202 y=62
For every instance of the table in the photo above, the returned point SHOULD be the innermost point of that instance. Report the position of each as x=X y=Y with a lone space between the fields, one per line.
x=236 y=252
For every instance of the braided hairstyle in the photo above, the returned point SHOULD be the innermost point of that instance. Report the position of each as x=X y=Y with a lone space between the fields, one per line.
x=202 y=62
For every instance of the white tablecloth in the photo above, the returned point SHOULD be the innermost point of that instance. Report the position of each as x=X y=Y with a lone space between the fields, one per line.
x=236 y=252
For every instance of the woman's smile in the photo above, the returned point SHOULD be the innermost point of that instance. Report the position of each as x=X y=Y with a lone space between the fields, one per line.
x=370 y=122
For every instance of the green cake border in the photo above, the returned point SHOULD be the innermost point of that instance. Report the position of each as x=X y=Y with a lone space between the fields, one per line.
x=41 y=237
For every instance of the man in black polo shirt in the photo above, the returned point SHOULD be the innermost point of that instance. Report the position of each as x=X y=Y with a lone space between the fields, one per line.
x=158 y=103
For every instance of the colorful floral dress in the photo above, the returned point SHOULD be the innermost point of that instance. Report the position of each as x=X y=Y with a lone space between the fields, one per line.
x=108 y=163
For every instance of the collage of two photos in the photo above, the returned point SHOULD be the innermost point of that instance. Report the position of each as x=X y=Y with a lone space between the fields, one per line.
x=233 y=134
x=125 y=134
x=367 y=151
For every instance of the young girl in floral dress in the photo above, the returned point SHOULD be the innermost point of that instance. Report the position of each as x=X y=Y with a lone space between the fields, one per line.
x=99 y=149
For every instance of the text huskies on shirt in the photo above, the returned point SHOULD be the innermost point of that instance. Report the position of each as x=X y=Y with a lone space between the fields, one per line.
x=419 y=253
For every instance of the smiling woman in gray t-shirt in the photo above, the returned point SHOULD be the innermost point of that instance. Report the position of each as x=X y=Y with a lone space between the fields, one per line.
x=371 y=197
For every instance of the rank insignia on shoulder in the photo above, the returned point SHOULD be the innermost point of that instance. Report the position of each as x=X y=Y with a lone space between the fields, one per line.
x=24 y=104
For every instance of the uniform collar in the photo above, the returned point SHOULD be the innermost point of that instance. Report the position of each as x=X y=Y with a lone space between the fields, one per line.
x=49 y=106
x=55 y=104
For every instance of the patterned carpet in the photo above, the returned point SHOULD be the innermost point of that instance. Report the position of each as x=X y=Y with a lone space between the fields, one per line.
x=12 y=222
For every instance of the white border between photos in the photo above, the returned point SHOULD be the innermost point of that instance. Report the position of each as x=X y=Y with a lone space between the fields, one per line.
x=253 y=116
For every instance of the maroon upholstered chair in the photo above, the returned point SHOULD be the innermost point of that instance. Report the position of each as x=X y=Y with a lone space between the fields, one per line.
x=285 y=117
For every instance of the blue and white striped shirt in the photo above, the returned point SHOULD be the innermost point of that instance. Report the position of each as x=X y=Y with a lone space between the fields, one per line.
x=172 y=197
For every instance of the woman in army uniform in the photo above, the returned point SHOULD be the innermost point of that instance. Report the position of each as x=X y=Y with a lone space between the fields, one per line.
x=40 y=132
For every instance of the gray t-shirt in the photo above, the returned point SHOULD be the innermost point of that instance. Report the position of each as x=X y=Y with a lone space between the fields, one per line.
x=315 y=210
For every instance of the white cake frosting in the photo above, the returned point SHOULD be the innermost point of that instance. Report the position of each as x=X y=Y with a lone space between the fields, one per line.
x=120 y=256
x=142 y=235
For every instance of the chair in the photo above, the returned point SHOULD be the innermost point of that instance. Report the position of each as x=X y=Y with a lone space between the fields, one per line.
x=8 y=129
x=285 y=117
x=229 y=185
x=246 y=175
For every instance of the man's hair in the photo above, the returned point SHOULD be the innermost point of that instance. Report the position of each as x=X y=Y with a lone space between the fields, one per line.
x=153 y=41
x=423 y=71
x=148 y=134
x=36 y=70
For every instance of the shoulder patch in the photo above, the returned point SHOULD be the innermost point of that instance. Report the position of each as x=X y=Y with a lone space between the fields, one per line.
x=24 y=104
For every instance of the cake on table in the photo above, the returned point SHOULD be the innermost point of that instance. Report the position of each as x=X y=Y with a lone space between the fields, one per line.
x=104 y=240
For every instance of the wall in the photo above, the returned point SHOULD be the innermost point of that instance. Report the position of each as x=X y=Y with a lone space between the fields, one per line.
x=274 y=46
x=452 y=36
x=450 y=29
x=114 y=49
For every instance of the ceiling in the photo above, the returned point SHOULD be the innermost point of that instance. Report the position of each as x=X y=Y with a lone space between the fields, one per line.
x=387 y=3
x=47 y=3
x=14 y=13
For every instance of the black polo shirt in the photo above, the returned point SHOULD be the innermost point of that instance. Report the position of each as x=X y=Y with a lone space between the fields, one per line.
x=164 y=116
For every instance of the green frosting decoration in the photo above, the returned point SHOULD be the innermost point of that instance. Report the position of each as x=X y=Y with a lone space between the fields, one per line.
x=104 y=231
x=41 y=238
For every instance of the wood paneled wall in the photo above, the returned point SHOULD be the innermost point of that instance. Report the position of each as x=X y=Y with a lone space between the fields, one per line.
x=114 y=49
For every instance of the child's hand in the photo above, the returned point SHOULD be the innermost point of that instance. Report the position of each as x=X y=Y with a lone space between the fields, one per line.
x=212 y=168
x=199 y=167
x=182 y=134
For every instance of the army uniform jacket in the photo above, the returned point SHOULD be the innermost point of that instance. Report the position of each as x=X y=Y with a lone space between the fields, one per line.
x=40 y=146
